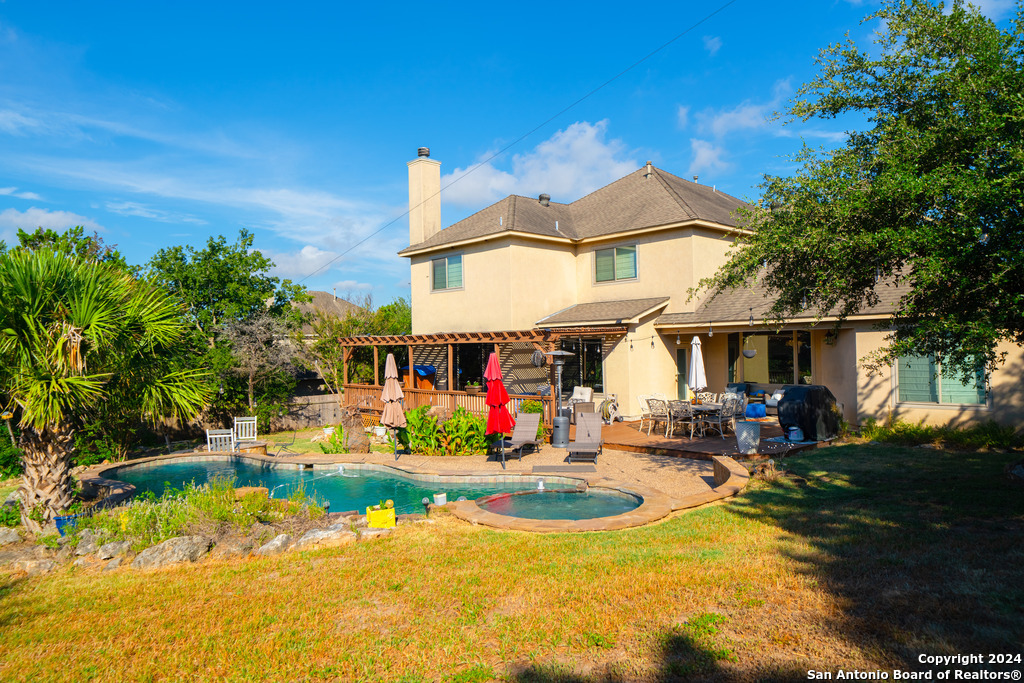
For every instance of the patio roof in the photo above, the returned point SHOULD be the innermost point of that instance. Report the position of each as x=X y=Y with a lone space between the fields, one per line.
x=535 y=335
x=604 y=312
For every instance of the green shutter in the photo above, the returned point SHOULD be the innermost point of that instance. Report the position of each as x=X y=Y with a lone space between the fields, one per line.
x=454 y=271
x=440 y=280
x=955 y=390
x=625 y=263
x=605 y=265
x=917 y=380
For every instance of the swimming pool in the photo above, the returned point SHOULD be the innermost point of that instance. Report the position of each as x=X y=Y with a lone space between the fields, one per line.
x=574 y=505
x=345 y=487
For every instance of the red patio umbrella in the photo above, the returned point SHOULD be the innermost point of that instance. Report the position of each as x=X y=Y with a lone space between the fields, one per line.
x=499 y=420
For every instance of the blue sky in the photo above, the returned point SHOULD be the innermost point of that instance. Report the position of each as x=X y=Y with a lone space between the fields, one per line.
x=159 y=124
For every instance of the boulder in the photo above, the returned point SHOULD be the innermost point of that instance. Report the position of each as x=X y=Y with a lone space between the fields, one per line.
x=355 y=436
x=278 y=545
x=172 y=551
x=230 y=549
x=34 y=567
x=113 y=564
x=370 y=534
x=330 y=537
x=9 y=535
x=112 y=549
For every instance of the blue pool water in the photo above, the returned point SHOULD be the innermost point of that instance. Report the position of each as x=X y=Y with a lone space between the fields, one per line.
x=354 y=489
x=561 y=505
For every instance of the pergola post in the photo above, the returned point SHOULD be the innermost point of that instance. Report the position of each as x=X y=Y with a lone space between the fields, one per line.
x=375 y=367
x=344 y=364
x=450 y=385
x=412 y=370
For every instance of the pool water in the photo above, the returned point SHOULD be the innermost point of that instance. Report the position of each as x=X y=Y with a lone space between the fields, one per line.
x=354 y=489
x=561 y=505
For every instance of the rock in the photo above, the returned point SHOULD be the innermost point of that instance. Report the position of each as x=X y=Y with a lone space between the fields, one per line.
x=83 y=562
x=355 y=437
x=929 y=446
x=325 y=538
x=278 y=545
x=86 y=547
x=231 y=548
x=64 y=554
x=41 y=552
x=112 y=549
x=172 y=551
x=370 y=534
x=9 y=535
x=35 y=567
x=113 y=564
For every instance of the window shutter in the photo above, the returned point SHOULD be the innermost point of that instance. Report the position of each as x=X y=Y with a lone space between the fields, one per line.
x=605 y=259
x=440 y=280
x=454 y=271
x=625 y=263
x=916 y=378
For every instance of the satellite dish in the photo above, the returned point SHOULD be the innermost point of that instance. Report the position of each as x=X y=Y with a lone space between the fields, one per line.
x=537 y=358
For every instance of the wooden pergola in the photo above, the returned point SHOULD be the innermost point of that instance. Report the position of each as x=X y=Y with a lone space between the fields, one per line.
x=542 y=339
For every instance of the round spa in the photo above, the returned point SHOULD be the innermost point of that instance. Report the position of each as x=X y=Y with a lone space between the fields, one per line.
x=574 y=505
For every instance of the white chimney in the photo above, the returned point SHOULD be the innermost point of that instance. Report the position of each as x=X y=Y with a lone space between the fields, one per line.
x=424 y=197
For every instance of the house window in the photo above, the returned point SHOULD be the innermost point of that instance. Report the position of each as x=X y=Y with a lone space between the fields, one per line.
x=447 y=272
x=615 y=264
x=923 y=380
x=584 y=368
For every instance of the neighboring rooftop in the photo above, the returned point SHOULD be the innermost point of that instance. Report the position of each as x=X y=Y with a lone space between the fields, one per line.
x=641 y=199
x=326 y=304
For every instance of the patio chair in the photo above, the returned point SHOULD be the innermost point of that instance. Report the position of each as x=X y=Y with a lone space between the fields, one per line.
x=682 y=414
x=588 y=442
x=220 y=440
x=245 y=429
x=645 y=410
x=580 y=395
x=659 y=413
x=523 y=434
x=706 y=396
x=725 y=415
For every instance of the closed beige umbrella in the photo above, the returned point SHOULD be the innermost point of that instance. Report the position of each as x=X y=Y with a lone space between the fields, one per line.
x=393 y=416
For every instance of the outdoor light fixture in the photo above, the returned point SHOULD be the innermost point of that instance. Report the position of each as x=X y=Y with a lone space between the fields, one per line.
x=677 y=339
x=652 y=342
x=426 y=507
x=751 y=316
x=711 y=330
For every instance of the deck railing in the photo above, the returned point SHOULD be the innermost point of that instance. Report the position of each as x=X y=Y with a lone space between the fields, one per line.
x=367 y=397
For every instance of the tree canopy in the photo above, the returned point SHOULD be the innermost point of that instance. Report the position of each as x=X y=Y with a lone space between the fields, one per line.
x=929 y=197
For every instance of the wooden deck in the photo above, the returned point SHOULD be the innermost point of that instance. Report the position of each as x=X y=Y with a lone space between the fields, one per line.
x=625 y=436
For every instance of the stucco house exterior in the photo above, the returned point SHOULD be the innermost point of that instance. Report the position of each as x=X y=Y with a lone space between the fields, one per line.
x=606 y=276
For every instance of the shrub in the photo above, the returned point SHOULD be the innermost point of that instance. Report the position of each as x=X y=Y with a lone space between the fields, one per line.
x=92 y=446
x=336 y=443
x=987 y=435
x=463 y=434
x=10 y=460
x=10 y=515
x=423 y=431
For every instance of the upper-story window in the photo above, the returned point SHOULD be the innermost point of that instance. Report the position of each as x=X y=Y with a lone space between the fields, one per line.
x=446 y=273
x=923 y=380
x=618 y=263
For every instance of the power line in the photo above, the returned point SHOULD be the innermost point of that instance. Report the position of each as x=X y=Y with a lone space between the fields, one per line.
x=525 y=135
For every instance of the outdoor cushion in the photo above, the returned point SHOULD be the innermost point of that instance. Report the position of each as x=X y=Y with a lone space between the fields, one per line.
x=756 y=410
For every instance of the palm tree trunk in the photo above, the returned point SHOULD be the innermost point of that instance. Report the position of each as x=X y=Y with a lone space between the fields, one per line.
x=47 y=487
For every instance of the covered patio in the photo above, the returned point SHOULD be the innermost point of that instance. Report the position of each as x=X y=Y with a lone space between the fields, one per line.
x=439 y=369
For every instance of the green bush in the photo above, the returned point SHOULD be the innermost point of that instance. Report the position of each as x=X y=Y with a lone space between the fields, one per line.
x=423 y=431
x=92 y=446
x=463 y=434
x=149 y=519
x=987 y=435
x=336 y=443
x=11 y=464
x=10 y=515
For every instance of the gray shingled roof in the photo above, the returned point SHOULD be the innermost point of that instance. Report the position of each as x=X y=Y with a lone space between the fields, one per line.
x=596 y=313
x=739 y=304
x=630 y=203
x=326 y=304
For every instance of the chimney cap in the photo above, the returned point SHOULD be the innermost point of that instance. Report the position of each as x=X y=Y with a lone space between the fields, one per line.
x=423 y=152
x=544 y=199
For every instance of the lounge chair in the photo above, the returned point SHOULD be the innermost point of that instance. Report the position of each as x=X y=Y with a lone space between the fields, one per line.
x=523 y=434
x=220 y=440
x=588 y=442
x=245 y=429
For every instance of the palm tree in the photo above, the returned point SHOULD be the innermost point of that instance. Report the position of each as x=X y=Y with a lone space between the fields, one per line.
x=74 y=334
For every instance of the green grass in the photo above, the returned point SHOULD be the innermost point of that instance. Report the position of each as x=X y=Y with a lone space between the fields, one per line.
x=861 y=557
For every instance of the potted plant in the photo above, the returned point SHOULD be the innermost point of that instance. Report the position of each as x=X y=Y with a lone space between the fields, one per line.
x=381 y=516
x=472 y=387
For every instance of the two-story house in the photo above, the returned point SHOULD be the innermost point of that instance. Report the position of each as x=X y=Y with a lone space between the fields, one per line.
x=606 y=276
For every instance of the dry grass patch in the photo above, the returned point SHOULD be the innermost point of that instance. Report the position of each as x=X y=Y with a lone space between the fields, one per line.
x=785 y=578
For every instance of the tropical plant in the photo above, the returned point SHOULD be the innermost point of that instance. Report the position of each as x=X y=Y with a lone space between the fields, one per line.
x=463 y=434
x=336 y=443
x=927 y=194
x=74 y=334
x=423 y=431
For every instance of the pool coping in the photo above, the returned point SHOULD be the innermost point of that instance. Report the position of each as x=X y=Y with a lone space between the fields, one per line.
x=729 y=478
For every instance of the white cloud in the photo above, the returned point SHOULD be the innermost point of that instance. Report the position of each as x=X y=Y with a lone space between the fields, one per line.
x=707 y=157
x=348 y=287
x=295 y=265
x=572 y=163
x=994 y=9
x=13 y=192
x=683 y=116
x=749 y=115
x=11 y=220
x=144 y=211
x=712 y=44
x=13 y=123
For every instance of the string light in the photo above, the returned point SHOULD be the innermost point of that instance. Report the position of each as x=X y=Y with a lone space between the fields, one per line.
x=751 y=316
x=711 y=330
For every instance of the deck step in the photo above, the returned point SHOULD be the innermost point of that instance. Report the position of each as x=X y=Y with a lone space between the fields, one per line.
x=548 y=469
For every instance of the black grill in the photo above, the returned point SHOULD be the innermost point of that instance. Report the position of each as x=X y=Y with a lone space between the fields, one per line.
x=813 y=409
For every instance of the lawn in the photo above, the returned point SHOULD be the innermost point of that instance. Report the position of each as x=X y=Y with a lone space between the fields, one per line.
x=863 y=557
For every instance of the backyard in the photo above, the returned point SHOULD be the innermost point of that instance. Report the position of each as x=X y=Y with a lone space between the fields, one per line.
x=860 y=557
